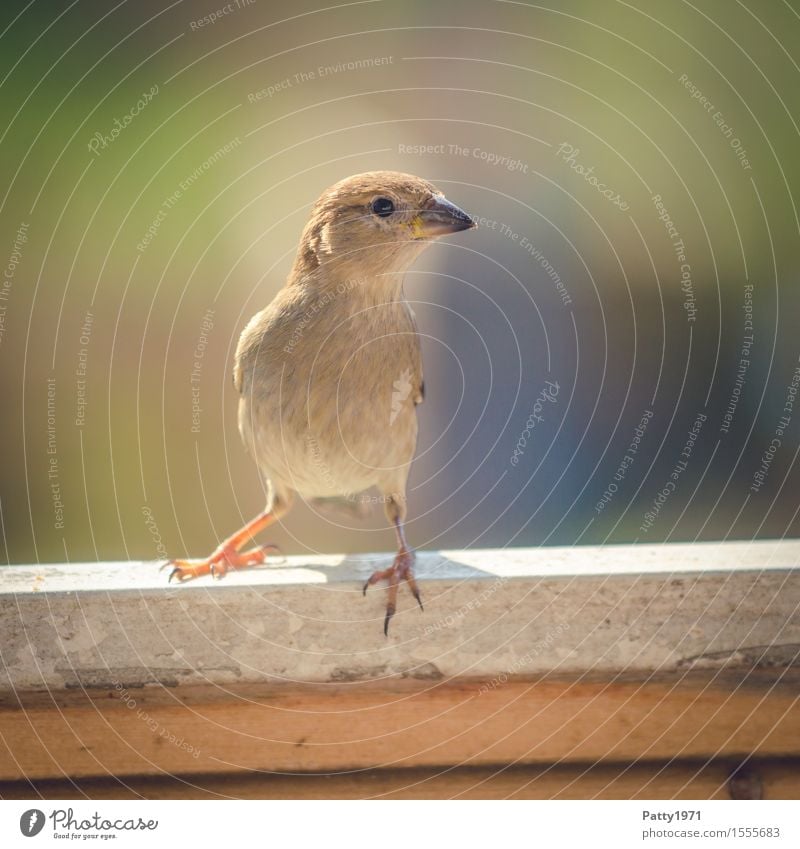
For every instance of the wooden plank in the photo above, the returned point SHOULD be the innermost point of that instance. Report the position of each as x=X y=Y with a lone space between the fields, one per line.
x=352 y=727
x=777 y=780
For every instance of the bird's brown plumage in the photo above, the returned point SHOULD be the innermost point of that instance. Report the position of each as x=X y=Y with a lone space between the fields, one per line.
x=330 y=373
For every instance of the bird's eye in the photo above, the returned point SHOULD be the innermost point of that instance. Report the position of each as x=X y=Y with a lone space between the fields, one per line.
x=383 y=207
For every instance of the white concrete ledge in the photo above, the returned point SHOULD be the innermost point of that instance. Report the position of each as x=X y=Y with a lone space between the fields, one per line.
x=587 y=611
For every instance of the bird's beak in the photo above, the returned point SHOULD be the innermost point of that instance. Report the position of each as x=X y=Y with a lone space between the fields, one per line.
x=440 y=217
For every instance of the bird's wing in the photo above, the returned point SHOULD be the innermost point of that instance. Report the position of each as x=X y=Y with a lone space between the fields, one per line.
x=258 y=340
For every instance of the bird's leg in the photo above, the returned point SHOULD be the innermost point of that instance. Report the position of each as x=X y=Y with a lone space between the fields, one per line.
x=401 y=570
x=228 y=555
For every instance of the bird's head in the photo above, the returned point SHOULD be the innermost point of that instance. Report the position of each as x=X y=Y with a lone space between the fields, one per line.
x=377 y=222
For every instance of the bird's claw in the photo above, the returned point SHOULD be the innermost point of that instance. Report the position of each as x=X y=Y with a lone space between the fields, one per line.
x=401 y=569
x=218 y=564
x=389 y=614
x=187 y=569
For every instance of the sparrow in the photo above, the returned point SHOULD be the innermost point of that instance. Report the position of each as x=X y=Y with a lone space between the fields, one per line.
x=329 y=375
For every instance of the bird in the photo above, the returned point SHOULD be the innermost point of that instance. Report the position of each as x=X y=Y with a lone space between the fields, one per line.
x=329 y=374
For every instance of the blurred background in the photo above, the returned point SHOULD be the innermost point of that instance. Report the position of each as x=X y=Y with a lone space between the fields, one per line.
x=611 y=357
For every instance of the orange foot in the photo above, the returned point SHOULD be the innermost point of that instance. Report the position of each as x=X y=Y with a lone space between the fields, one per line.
x=217 y=565
x=228 y=556
x=400 y=570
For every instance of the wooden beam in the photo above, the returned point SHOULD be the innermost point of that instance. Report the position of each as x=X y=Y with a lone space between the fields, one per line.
x=346 y=728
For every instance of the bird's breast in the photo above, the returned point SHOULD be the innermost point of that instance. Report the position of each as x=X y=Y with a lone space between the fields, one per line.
x=334 y=409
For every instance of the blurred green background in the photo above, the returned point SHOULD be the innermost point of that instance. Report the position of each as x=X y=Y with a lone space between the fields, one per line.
x=227 y=130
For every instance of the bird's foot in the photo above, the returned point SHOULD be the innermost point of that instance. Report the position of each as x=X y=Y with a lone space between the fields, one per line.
x=401 y=570
x=217 y=565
